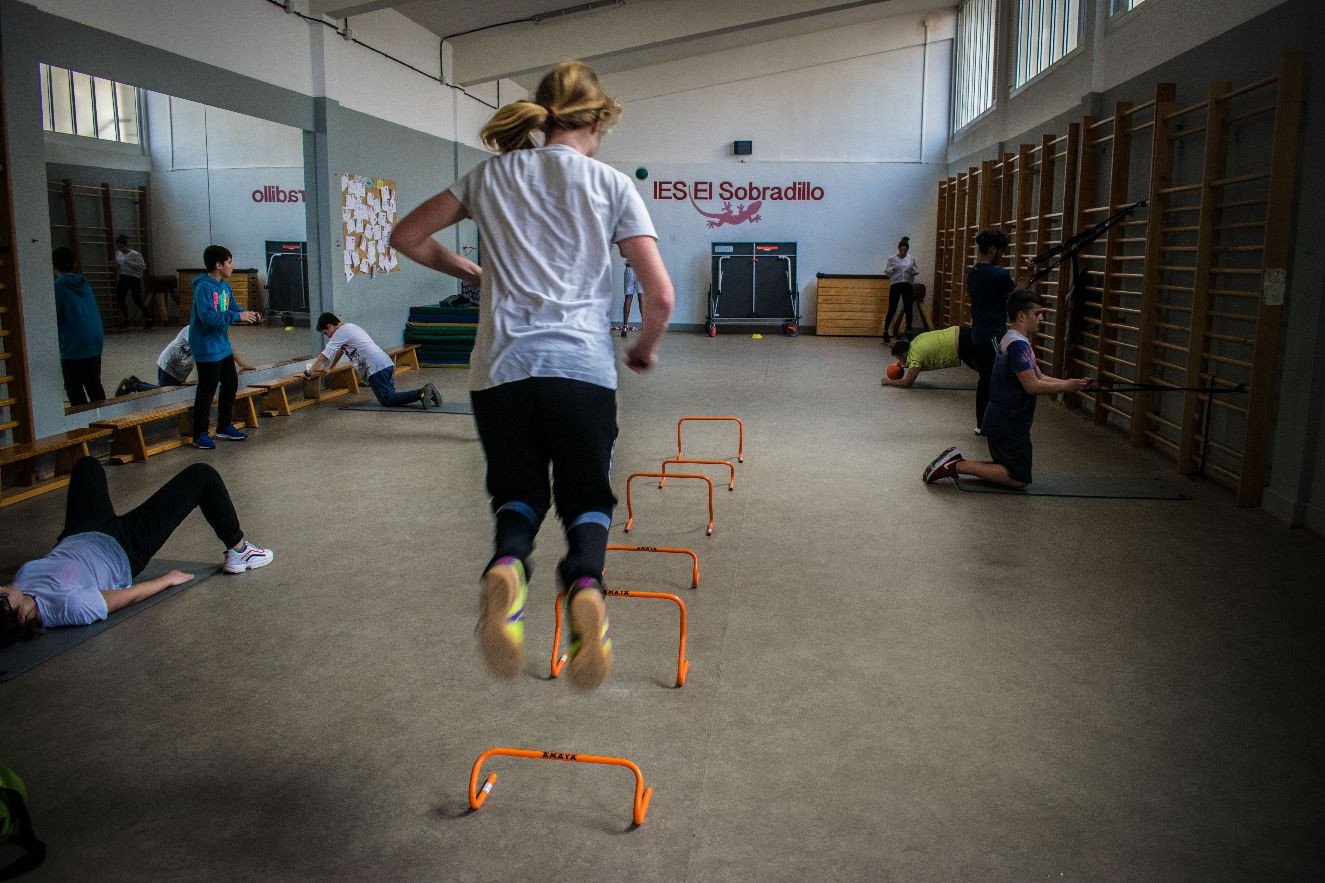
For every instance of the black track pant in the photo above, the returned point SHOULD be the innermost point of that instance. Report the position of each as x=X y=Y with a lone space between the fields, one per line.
x=130 y=285
x=82 y=380
x=899 y=293
x=209 y=375
x=570 y=425
x=143 y=531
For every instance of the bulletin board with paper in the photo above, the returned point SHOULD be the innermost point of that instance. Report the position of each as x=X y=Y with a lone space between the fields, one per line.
x=369 y=213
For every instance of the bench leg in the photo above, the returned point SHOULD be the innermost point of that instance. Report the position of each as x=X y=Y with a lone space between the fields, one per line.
x=250 y=411
x=275 y=403
x=128 y=446
x=65 y=458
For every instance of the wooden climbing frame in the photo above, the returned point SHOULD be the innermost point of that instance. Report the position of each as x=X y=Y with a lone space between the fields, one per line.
x=694 y=572
x=630 y=511
x=740 y=439
x=559 y=658
x=477 y=795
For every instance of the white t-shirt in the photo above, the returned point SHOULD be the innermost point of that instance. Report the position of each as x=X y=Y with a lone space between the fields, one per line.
x=177 y=359
x=367 y=357
x=548 y=218
x=901 y=269
x=130 y=263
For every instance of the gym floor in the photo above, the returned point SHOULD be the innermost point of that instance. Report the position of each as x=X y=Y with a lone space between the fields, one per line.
x=888 y=681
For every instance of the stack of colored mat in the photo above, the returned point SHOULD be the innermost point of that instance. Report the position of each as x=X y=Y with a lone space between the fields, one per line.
x=445 y=334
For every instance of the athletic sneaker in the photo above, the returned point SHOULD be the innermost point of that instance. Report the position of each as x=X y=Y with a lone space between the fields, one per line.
x=204 y=441
x=623 y=332
x=944 y=466
x=246 y=557
x=229 y=433
x=591 y=635
x=502 y=595
x=432 y=396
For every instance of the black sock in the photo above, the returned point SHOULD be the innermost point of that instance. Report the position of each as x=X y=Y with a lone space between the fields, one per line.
x=514 y=537
x=586 y=551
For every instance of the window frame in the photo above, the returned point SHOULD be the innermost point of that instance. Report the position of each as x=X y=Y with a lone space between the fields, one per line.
x=123 y=119
x=1043 y=40
x=978 y=55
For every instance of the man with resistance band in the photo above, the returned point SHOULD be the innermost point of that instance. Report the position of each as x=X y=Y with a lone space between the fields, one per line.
x=1015 y=382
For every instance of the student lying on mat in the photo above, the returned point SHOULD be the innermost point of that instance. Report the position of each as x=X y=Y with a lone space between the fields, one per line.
x=89 y=574
x=374 y=366
x=944 y=348
x=1013 y=386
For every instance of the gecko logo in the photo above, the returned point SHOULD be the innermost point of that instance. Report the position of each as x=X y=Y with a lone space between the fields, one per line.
x=741 y=203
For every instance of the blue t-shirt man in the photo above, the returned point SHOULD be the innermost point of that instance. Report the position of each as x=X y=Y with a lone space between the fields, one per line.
x=1011 y=409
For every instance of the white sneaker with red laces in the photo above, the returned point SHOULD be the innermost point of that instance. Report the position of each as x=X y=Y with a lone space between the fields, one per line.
x=246 y=557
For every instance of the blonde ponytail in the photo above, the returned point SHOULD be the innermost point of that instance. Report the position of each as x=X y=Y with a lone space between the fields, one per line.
x=568 y=98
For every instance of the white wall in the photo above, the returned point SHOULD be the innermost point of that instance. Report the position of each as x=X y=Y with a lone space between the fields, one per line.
x=206 y=165
x=845 y=114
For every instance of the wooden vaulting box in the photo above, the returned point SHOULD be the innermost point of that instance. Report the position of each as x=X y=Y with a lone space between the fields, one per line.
x=244 y=283
x=852 y=305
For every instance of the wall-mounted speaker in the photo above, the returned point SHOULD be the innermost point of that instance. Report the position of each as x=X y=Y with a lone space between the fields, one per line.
x=742 y=148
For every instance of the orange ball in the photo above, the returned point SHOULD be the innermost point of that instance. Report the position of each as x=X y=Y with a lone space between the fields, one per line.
x=895 y=371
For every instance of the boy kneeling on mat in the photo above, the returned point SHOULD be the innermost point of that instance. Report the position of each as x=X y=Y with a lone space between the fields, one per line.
x=1015 y=383
x=371 y=362
x=89 y=574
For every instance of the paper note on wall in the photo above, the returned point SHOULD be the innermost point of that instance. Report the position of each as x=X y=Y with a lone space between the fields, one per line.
x=368 y=212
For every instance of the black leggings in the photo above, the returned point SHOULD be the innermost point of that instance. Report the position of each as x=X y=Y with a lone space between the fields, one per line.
x=525 y=426
x=899 y=292
x=143 y=531
x=209 y=375
x=82 y=380
x=127 y=285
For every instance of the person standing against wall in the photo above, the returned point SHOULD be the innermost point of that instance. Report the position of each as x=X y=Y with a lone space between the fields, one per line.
x=988 y=285
x=79 y=329
x=129 y=269
x=901 y=272
x=214 y=311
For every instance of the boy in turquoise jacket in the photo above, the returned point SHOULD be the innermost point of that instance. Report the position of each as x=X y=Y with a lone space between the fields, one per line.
x=79 y=329
x=214 y=311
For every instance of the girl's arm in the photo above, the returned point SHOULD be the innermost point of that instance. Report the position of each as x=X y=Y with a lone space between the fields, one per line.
x=413 y=238
x=117 y=599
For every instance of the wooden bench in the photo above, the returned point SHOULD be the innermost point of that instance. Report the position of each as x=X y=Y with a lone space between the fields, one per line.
x=130 y=446
x=276 y=402
x=67 y=448
x=406 y=357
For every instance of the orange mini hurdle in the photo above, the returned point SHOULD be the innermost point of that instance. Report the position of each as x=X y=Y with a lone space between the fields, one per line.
x=694 y=573
x=740 y=439
x=630 y=512
x=478 y=795
x=682 y=664
x=731 y=478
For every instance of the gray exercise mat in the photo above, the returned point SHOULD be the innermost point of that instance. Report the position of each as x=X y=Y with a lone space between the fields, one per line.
x=1102 y=487
x=446 y=408
x=919 y=384
x=27 y=655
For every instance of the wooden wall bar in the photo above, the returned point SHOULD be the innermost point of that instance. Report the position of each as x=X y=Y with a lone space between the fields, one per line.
x=1185 y=292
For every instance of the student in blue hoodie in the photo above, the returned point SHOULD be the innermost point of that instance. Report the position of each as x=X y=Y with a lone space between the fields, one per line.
x=214 y=311
x=78 y=322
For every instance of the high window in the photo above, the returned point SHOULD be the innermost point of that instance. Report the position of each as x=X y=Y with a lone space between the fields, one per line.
x=79 y=104
x=973 y=64
x=1046 y=31
x=1116 y=6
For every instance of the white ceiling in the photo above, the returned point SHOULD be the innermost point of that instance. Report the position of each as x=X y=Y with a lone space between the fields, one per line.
x=499 y=38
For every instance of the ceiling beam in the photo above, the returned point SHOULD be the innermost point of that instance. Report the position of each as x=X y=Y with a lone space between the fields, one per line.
x=346 y=8
x=518 y=49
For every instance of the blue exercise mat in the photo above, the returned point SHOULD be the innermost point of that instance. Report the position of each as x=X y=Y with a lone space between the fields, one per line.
x=446 y=408
x=1101 y=487
x=27 y=655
